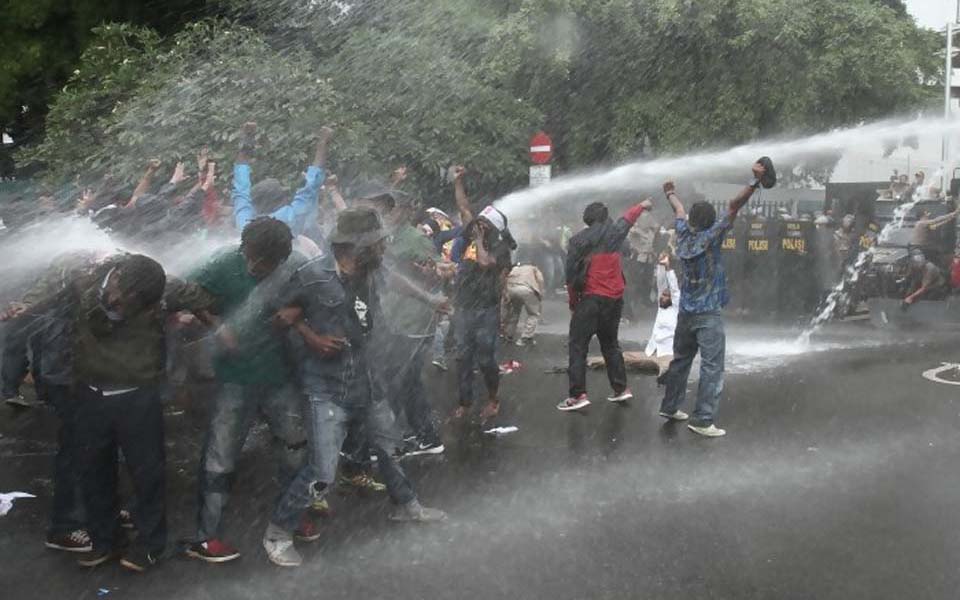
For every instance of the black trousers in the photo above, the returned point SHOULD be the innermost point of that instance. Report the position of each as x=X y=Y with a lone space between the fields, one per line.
x=21 y=334
x=133 y=423
x=68 y=511
x=596 y=316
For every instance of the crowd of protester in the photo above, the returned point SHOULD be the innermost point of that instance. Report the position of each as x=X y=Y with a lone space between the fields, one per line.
x=320 y=322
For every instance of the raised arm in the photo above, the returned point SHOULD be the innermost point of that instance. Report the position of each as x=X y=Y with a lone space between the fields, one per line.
x=741 y=199
x=670 y=189
x=143 y=186
x=332 y=187
x=460 y=193
x=306 y=199
x=243 y=211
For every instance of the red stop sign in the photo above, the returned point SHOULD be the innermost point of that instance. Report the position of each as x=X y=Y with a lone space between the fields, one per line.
x=541 y=148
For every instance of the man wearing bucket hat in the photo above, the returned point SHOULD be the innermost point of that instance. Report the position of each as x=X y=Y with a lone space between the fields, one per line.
x=703 y=294
x=332 y=305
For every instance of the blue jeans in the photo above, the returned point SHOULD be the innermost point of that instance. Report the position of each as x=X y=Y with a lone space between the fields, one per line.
x=476 y=330
x=439 y=338
x=235 y=409
x=327 y=428
x=701 y=332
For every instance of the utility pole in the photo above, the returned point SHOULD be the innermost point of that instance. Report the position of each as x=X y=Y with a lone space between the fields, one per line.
x=948 y=99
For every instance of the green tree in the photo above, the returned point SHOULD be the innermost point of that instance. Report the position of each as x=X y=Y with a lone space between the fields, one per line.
x=43 y=39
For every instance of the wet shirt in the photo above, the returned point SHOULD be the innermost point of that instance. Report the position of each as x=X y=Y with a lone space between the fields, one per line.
x=241 y=301
x=704 y=287
x=478 y=287
x=404 y=314
x=335 y=305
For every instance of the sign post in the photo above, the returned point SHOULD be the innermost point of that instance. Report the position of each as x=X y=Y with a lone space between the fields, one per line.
x=541 y=152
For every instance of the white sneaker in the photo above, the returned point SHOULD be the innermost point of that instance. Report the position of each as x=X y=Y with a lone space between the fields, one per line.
x=414 y=511
x=574 y=403
x=279 y=546
x=18 y=401
x=676 y=416
x=622 y=396
x=709 y=431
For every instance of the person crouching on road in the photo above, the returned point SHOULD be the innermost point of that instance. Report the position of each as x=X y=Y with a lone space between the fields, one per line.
x=702 y=296
x=595 y=286
x=524 y=291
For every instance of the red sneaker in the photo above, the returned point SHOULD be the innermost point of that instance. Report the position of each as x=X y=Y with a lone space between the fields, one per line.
x=308 y=530
x=213 y=551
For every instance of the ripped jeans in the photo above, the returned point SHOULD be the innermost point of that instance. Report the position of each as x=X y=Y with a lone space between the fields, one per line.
x=327 y=428
x=235 y=410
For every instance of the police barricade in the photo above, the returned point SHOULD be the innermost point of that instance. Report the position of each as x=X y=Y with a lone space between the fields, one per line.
x=760 y=266
x=733 y=251
x=796 y=276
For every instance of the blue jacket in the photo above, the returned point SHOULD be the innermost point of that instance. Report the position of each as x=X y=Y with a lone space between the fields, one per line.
x=296 y=214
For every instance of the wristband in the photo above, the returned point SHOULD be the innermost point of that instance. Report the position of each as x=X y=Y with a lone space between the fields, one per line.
x=754 y=183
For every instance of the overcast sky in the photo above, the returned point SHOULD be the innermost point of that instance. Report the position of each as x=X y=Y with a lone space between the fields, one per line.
x=932 y=13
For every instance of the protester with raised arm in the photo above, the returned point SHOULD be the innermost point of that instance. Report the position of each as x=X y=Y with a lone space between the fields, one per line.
x=268 y=197
x=703 y=295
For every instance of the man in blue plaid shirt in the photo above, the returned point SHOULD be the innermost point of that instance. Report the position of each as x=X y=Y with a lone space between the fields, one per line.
x=703 y=295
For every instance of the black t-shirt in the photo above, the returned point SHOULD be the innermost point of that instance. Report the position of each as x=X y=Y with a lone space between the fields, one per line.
x=478 y=287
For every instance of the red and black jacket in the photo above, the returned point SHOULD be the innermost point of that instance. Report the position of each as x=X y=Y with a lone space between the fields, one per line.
x=594 y=258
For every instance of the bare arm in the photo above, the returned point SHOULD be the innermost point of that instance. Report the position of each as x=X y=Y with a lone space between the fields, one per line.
x=669 y=188
x=332 y=187
x=320 y=155
x=460 y=193
x=741 y=199
x=144 y=184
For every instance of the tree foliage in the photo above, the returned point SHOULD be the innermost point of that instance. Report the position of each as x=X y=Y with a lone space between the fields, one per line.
x=428 y=83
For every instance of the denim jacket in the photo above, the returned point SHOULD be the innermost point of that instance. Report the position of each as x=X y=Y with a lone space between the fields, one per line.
x=345 y=378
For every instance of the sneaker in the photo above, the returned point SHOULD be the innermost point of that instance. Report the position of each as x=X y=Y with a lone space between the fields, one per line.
x=320 y=509
x=710 y=430
x=427 y=446
x=75 y=541
x=524 y=341
x=96 y=557
x=126 y=520
x=678 y=415
x=622 y=396
x=574 y=403
x=440 y=364
x=278 y=544
x=138 y=561
x=308 y=530
x=17 y=401
x=362 y=483
x=213 y=551
x=414 y=511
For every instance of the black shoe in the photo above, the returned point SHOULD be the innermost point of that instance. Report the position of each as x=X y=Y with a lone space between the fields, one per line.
x=138 y=561
x=96 y=557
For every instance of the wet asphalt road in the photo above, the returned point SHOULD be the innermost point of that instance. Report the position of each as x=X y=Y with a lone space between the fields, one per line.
x=839 y=479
